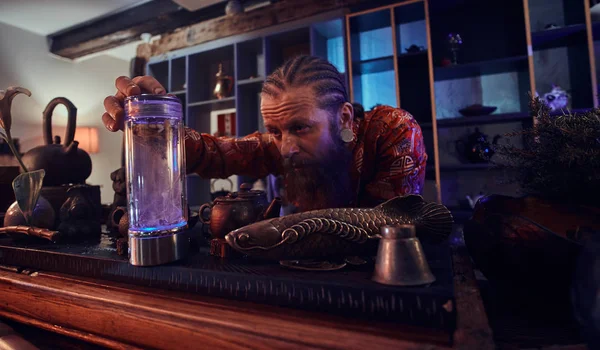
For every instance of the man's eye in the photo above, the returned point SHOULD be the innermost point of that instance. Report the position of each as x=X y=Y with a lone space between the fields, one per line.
x=275 y=133
x=300 y=129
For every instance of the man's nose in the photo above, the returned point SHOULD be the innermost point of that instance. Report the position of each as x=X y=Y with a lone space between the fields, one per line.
x=289 y=146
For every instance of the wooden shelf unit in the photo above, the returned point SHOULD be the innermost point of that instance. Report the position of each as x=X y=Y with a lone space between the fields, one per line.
x=498 y=65
x=506 y=54
x=190 y=75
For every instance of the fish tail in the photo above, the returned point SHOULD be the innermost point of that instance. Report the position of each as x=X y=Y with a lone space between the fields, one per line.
x=432 y=220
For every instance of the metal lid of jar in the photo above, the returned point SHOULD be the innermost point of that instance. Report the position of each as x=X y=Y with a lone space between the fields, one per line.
x=244 y=194
x=153 y=105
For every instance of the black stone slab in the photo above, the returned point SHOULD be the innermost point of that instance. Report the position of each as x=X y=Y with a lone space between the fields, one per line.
x=348 y=292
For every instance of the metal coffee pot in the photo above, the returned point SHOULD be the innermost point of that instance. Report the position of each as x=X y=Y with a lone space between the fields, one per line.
x=224 y=84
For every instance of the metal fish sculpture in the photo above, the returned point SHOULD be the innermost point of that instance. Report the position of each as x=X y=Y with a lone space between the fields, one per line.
x=339 y=232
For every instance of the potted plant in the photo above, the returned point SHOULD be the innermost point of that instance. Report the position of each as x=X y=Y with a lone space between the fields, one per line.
x=530 y=244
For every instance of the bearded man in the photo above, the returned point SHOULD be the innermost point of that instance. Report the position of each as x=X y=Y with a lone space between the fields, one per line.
x=328 y=159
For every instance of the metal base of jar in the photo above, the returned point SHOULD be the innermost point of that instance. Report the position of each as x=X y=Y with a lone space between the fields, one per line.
x=157 y=250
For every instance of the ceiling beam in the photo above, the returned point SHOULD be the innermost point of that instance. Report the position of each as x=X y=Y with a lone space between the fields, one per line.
x=280 y=12
x=126 y=25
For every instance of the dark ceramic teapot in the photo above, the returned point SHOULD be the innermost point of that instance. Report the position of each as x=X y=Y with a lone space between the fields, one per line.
x=477 y=148
x=239 y=209
x=55 y=158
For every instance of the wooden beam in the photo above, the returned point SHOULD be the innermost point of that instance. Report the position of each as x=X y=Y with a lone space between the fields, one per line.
x=119 y=316
x=125 y=26
x=280 y=12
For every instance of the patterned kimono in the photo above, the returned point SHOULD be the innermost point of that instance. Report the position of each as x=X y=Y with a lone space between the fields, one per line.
x=389 y=157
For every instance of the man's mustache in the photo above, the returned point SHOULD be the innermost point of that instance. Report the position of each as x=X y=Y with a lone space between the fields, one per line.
x=297 y=163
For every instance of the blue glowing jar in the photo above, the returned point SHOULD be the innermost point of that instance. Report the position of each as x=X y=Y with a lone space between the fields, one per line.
x=156 y=184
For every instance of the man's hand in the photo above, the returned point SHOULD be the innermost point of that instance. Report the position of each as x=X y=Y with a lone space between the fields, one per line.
x=114 y=118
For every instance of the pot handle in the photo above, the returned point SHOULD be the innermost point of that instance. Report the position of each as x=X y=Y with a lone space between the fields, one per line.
x=230 y=88
x=212 y=185
x=71 y=121
x=203 y=207
x=116 y=215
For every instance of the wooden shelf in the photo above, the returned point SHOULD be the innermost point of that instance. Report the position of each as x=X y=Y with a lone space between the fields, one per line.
x=491 y=119
x=564 y=36
x=258 y=80
x=375 y=65
x=412 y=54
x=404 y=78
x=482 y=119
x=212 y=102
x=501 y=65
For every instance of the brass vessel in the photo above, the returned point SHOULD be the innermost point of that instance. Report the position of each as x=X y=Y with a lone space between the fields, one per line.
x=224 y=84
x=400 y=258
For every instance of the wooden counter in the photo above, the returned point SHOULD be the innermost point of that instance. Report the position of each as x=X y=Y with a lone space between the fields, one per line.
x=120 y=315
x=50 y=308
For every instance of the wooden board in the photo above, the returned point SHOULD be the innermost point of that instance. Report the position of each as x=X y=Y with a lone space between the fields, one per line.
x=348 y=292
x=120 y=316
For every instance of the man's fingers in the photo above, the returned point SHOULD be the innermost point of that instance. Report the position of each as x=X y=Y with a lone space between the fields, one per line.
x=109 y=122
x=149 y=85
x=113 y=106
x=114 y=117
x=120 y=97
x=115 y=110
x=127 y=87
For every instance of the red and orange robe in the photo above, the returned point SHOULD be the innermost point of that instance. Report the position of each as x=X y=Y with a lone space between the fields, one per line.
x=389 y=157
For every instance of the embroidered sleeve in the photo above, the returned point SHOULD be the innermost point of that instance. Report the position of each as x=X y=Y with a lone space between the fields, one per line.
x=209 y=156
x=400 y=157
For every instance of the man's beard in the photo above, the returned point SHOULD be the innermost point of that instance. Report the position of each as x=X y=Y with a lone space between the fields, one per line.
x=326 y=184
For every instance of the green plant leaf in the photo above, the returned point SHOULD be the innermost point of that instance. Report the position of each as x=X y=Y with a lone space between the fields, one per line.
x=27 y=187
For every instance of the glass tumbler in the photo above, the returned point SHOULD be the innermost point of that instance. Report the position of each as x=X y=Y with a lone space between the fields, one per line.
x=156 y=186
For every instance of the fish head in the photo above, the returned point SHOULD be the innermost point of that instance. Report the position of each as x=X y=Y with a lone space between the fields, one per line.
x=259 y=235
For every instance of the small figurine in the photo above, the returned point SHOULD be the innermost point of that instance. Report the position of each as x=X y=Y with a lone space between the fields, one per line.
x=81 y=213
x=556 y=99
x=414 y=48
x=120 y=197
x=454 y=42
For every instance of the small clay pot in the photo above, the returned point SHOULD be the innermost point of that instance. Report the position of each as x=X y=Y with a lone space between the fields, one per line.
x=43 y=215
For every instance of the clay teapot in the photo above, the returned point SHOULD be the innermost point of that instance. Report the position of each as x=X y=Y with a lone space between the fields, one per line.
x=224 y=84
x=238 y=209
x=55 y=158
x=477 y=148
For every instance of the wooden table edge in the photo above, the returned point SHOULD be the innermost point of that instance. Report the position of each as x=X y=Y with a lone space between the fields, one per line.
x=193 y=319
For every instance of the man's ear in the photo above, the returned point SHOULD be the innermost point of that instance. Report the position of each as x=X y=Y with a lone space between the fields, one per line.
x=346 y=116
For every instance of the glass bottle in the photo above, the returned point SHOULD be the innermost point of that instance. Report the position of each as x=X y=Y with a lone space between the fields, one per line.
x=156 y=186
